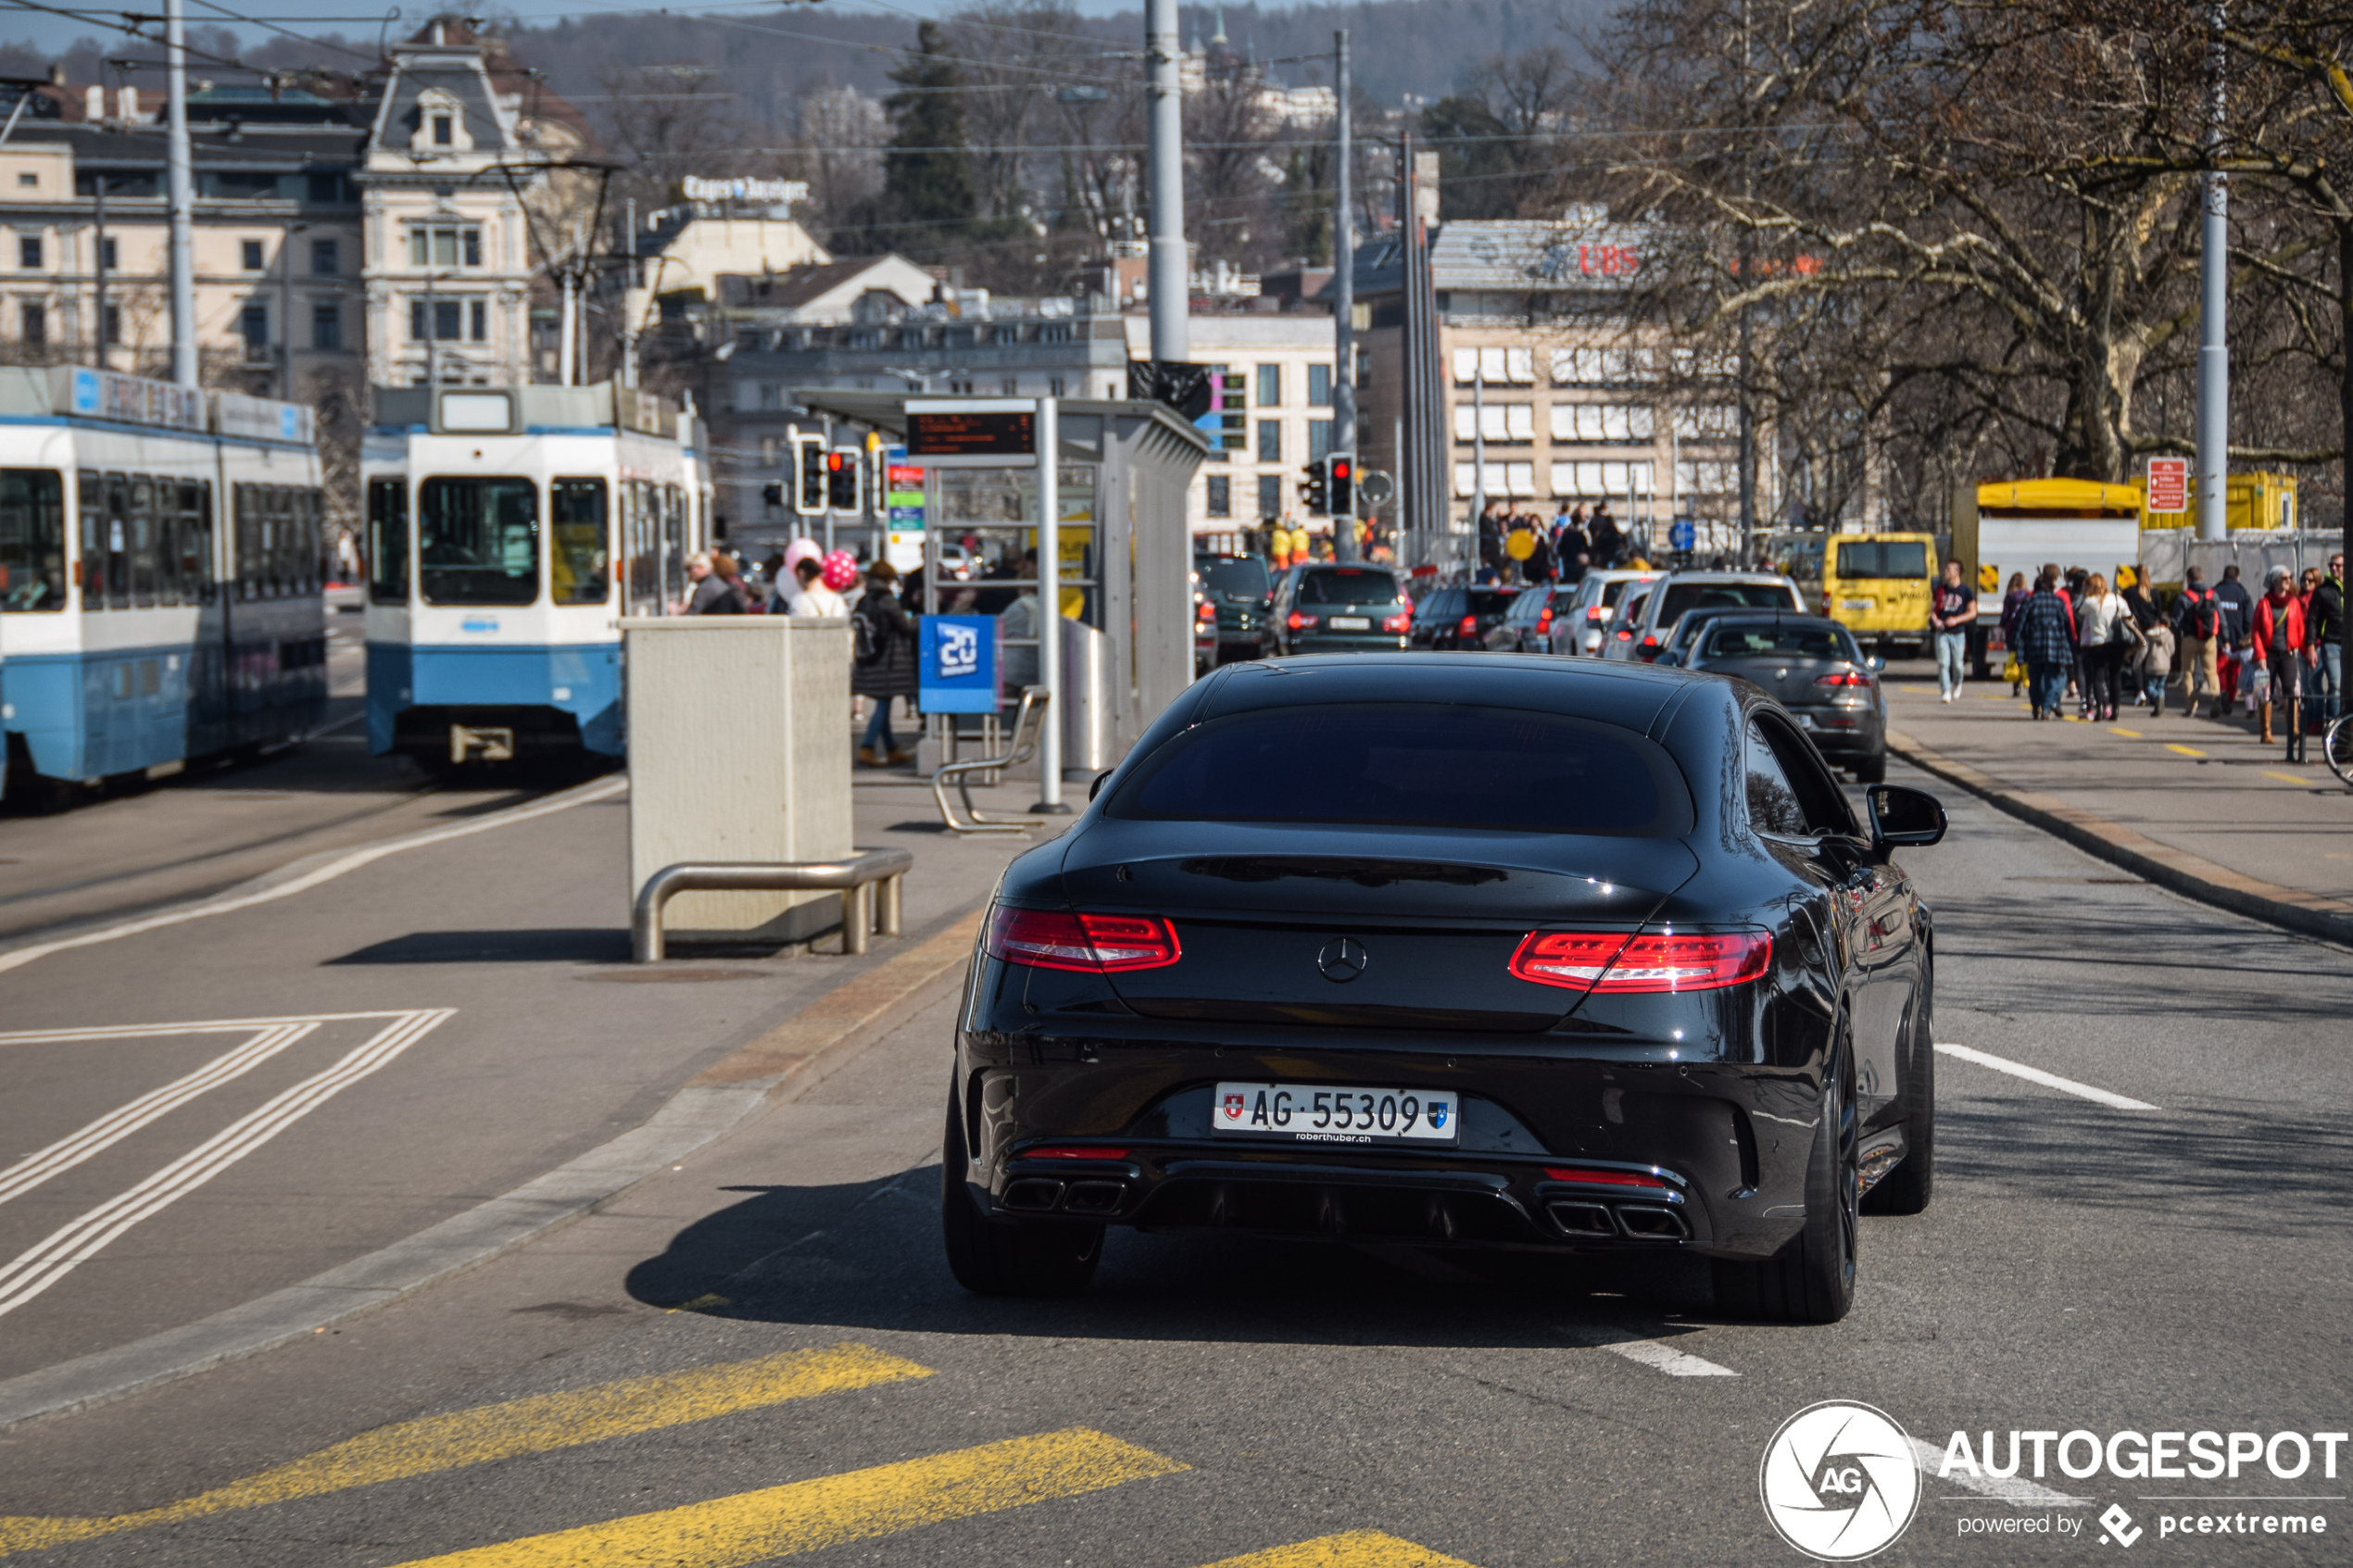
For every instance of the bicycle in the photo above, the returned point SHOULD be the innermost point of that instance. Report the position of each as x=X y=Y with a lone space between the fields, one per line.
x=2336 y=746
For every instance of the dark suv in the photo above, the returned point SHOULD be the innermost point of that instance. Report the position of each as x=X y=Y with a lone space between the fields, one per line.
x=1460 y=618
x=1235 y=588
x=1320 y=607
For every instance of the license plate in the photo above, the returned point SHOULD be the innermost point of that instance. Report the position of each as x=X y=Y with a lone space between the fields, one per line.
x=1854 y=604
x=1334 y=1113
x=1351 y=623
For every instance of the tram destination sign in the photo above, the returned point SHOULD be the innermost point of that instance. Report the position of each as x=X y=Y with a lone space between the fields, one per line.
x=1001 y=428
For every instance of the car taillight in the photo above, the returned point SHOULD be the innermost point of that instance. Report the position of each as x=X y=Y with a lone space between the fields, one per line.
x=1300 y=622
x=1626 y=636
x=1597 y=612
x=1071 y=1151
x=1606 y=1178
x=1208 y=610
x=1826 y=601
x=1086 y=943
x=1844 y=678
x=1630 y=962
x=1470 y=627
x=1399 y=623
x=1544 y=619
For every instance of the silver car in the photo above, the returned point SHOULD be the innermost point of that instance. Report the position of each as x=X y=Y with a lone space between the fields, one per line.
x=1581 y=627
x=1641 y=627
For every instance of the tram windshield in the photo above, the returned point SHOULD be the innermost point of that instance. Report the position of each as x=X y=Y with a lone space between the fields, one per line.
x=478 y=540
x=32 y=539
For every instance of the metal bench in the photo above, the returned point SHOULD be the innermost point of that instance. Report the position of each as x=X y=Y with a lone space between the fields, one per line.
x=865 y=907
x=1029 y=723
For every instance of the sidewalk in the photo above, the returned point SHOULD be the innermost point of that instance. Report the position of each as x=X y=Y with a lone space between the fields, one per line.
x=2195 y=805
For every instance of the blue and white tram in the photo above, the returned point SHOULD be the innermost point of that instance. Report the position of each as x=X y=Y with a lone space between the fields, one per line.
x=161 y=595
x=507 y=529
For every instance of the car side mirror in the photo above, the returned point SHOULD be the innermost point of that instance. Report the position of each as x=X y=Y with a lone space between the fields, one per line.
x=1096 y=787
x=1903 y=819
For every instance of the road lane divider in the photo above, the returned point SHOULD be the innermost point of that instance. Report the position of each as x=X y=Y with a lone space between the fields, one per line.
x=116 y=1126
x=2002 y=1488
x=2048 y=1080
x=1353 y=1548
x=536 y=1423
x=48 y=1261
x=278 y=885
x=858 y=1505
x=1643 y=1351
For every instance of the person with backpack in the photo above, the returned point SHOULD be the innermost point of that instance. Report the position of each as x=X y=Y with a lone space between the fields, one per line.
x=2325 y=636
x=2047 y=638
x=882 y=660
x=2197 y=621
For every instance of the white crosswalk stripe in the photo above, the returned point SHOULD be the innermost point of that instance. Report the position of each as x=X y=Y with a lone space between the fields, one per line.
x=1643 y=1351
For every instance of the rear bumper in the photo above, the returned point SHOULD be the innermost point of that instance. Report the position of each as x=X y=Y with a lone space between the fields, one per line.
x=1346 y=642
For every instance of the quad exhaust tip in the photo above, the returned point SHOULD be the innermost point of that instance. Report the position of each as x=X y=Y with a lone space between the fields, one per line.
x=1637 y=1221
x=1039 y=1195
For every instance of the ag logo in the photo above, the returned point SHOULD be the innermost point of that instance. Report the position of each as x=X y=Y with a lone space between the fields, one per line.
x=1839 y=1481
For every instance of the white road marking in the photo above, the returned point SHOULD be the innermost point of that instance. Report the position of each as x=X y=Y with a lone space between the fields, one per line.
x=49 y=1261
x=2048 y=1080
x=314 y=878
x=2008 y=1489
x=1644 y=1350
x=116 y=1126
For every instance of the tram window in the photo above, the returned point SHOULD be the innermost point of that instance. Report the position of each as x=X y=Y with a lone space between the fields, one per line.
x=388 y=541
x=673 y=545
x=32 y=539
x=191 y=542
x=117 y=541
x=580 y=553
x=141 y=520
x=637 y=528
x=478 y=540
x=92 y=491
x=296 y=553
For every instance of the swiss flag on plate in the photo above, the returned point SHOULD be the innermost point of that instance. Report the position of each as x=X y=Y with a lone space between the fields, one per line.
x=1233 y=1108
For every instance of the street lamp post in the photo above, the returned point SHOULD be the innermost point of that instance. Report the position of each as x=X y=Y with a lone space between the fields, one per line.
x=286 y=312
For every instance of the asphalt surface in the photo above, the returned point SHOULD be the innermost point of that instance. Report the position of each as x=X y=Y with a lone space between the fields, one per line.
x=667 y=1369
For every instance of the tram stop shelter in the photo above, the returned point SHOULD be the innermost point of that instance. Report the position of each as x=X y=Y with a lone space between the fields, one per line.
x=1124 y=552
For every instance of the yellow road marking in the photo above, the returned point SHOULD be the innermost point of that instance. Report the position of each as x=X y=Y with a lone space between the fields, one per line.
x=1356 y=1548
x=857 y=1506
x=2120 y=730
x=2185 y=750
x=538 y=1423
x=2285 y=778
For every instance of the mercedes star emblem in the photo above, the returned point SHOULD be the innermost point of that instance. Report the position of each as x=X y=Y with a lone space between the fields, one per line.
x=1343 y=960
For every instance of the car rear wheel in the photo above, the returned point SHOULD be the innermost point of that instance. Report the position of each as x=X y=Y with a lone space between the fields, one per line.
x=1812 y=1278
x=1871 y=770
x=1907 y=1188
x=992 y=1256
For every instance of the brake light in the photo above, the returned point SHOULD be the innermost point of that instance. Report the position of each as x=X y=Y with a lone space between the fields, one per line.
x=1208 y=611
x=1088 y=943
x=1604 y=1178
x=1642 y=962
x=1544 y=619
x=1300 y=622
x=1071 y=1151
x=1399 y=623
x=1844 y=678
x=1625 y=636
x=1826 y=601
x=1596 y=613
x=1470 y=627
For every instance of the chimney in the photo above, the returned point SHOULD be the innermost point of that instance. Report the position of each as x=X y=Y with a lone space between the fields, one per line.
x=56 y=76
x=127 y=103
x=1425 y=185
x=94 y=102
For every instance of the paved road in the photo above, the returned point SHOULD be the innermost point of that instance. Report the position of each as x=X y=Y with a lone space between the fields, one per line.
x=759 y=1355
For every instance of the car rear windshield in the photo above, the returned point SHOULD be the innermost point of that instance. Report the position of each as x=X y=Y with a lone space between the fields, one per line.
x=1490 y=601
x=1412 y=765
x=1613 y=592
x=1681 y=596
x=1761 y=640
x=1235 y=579
x=1885 y=557
x=1342 y=586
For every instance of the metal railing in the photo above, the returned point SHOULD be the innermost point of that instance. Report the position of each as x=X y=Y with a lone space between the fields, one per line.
x=864 y=906
x=1029 y=723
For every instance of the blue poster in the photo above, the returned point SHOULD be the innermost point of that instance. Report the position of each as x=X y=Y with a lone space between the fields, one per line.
x=960 y=664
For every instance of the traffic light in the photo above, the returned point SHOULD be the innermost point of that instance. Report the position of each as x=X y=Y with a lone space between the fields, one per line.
x=1314 y=491
x=845 y=476
x=1341 y=486
x=808 y=474
x=1232 y=414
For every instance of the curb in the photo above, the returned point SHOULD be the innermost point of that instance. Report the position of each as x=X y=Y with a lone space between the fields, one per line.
x=780 y=1066
x=2178 y=871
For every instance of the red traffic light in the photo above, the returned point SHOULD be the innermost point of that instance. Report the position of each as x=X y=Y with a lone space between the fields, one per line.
x=833 y=461
x=1341 y=468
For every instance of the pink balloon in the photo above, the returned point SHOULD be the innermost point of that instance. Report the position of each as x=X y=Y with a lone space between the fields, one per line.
x=841 y=571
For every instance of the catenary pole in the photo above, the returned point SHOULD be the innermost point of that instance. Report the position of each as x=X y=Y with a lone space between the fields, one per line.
x=1050 y=607
x=1171 y=337
x=1343 y=300
x=181 y=196
x=2213 y=348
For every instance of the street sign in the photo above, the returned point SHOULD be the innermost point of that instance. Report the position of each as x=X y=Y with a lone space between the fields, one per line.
x=960 y=664
x=902 y=490
x=1681 y=534
x=2168 y=487
x=1374 y=487
x=989 y=429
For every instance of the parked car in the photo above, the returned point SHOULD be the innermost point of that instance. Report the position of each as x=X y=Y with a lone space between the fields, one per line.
x=1676 y=647
x=1527 y=627
x=1814 y=665
x=1642 y=625
x=1320 y=607
x=1586 y=622
x=1240 y=591
x=1460 y=617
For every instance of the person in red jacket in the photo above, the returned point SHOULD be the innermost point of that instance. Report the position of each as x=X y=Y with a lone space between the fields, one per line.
x=2279 y=646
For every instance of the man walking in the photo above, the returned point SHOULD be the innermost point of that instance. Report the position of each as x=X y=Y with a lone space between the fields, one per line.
x=2325 y=636
x=2047 y=638
x=1952 y=611
x=2237 y=607
x=2197 y=622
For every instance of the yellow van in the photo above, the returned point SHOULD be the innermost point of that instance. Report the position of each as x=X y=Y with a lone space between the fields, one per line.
x=1877 y=587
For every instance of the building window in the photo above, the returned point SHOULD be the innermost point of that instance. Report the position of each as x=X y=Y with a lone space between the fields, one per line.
x=253 y=325
x=447 y=317
x=326 y=259
x=1221 y=496
x=445 y=247
x=114 y=324
x=1010 y=386
x=1270 y=440
x=478 y=321
x=254 y=260
x=444 y=131
x=107 y=258
x=33 y=324
x=326 y=325
x=29 y=252
x=29 y=181
x=1270 y=386
x=1319 y=385
x=1319 y=440
x=1054 y=387
x=1270 y=494
x=1501 y=422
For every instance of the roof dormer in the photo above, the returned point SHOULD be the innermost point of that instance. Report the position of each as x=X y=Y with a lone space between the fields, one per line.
x=440 y=130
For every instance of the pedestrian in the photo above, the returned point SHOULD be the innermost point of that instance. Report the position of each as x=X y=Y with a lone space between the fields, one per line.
x=2014 y=600
x=1490 y=537
x=2278 y=637
x=883 y=656
x=2324 y=637
x=1608 y=541
x=2047 y=638
x=2155 y=665
x=2238 y=616
x=1541 y=564
x=2105 y=633
x=1952 y=611
x=712 y=594
x=1572 y=552
x=810 y=596
x=2197 y=622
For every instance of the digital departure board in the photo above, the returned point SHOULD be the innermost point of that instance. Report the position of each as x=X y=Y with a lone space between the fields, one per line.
x=973 y=434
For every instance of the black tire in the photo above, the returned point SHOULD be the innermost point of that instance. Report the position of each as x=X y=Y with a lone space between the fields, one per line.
x=992 y=1256
x=1871 y=770
x=1909 y=1188
x=1812 y=1278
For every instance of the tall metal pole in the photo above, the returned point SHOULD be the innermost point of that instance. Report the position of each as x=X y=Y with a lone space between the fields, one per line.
x=1171 y=336
x=98 y=265
x=1343 y=300
x=2214 y=276
x=1049 y=600
x=180 y=195
x=629 y=324
x=1479 y=458
x=1748 y=342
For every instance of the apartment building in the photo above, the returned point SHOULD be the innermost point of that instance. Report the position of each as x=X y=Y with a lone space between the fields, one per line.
x=1286 y=362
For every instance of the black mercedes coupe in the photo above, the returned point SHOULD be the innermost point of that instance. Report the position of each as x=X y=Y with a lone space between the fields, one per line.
x=1455 y=951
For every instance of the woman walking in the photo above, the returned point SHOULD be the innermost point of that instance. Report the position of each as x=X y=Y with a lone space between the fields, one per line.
x=2012 y=602
x=2105 y=632
x=2047 y=638
x=882 y=667
x=2279 y=649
